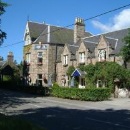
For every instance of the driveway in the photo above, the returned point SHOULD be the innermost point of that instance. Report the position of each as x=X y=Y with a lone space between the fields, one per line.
x=63 y=114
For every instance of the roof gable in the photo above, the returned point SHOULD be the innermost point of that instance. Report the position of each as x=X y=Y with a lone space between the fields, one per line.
x=77 y=72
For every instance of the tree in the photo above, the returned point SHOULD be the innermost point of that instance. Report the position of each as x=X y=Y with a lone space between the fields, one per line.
x=125 y=51
x=2 y=10
x=107 y=72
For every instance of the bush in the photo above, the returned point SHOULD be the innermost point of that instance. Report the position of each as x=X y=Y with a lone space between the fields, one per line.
x=39 y=90
x=89 y=94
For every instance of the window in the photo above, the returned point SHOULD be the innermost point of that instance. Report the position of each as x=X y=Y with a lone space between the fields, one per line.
x=27 y=42
x=101 y=55
x=81 y=57
x=65 y=59
x=99 y=83
x=83 y=81
x=28 y=58
x=39 y=79
x=39 y=58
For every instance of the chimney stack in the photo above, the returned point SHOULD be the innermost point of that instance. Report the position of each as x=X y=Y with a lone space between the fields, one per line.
x=79 y=29
x=10 y=57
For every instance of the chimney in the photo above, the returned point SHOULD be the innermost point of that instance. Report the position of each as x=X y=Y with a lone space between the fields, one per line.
x=79 y=29
x=10 y=57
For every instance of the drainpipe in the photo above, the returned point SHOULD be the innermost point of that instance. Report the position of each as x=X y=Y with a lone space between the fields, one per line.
x=55 y=77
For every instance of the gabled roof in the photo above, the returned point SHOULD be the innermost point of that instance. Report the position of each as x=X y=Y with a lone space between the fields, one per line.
x=91 y=47
x=40 y=32
x=11 y=64
x=35 y=29
x=111 y=42
x=78 y=72
x=54 y=34
x=113 y=38
x=73 y=48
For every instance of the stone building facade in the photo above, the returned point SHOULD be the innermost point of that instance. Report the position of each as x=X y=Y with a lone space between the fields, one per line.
x=50 y=50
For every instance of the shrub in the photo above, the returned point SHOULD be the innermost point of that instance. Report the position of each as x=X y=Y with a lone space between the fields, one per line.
x=89 y=94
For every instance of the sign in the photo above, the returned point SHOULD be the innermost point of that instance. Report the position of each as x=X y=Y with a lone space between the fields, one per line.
x=40 y=47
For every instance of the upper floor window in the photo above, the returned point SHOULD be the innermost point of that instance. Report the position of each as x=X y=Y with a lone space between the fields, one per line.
x=101 y=55
x=28 y=41
x=39 y=58
x=28 y=58
x=81 y=57
x=65 y=59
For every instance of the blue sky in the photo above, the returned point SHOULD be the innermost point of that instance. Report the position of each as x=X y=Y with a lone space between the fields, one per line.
x=60 y=13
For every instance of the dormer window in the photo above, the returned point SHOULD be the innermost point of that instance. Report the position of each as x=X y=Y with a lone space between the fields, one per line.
x=39 y=58
x=65 y=59
x=82 y=57
x=101 y=55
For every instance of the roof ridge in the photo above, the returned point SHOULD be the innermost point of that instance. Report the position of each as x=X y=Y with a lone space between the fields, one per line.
x=107 y=32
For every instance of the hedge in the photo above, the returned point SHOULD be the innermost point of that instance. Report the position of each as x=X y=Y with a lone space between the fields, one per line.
x=88 y=94
x=39 y=90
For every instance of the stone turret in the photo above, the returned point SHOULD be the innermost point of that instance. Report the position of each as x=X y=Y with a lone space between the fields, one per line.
x=79 y=29
x=10 y=57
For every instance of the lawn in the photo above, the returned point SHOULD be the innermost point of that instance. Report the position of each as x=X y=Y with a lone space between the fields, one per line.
x=10 y=123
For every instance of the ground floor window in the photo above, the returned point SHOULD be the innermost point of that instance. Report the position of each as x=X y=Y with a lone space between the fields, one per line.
x=39 y=79
x=101 y=83
x=83 y=81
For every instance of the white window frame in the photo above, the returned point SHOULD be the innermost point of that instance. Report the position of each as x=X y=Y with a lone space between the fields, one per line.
x=65 y=59
x=81 y=57
x=101 y=55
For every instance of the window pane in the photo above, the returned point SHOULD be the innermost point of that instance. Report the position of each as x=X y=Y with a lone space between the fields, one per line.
x=39 y=54
x=39 y=76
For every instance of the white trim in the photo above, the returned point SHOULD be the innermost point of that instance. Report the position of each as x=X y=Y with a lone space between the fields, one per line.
x=48 y=34
x=90 y=42
x=74 y=71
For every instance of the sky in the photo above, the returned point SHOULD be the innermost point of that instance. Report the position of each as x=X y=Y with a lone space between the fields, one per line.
x=60 y=13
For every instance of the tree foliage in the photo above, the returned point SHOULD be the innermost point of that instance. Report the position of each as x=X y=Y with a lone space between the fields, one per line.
x=125 y=51
x=2 y=10
x=107 y=72
x=70 y=70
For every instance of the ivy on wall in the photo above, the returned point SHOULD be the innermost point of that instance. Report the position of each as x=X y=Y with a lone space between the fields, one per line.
x=27 y=48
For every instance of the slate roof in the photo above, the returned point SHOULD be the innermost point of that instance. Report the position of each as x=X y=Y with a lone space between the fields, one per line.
x=73 y=48
x=35 y=29
x=113 y=38
x=39 y=33
x=57 y=35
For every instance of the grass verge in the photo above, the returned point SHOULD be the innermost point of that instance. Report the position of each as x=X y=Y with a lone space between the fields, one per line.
x=10 y=123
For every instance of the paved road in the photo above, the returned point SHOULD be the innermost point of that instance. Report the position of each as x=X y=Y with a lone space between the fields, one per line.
x=62 y=114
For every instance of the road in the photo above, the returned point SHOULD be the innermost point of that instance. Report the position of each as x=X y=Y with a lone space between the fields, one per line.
x=63 y=114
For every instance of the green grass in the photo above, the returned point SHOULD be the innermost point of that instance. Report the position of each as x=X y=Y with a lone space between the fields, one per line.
x=10 y=123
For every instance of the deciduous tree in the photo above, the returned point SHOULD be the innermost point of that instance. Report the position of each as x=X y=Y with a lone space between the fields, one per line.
x=2 y=10
x=125 y=51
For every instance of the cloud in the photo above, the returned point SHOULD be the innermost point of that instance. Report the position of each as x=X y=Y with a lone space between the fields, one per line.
x=119 y=21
